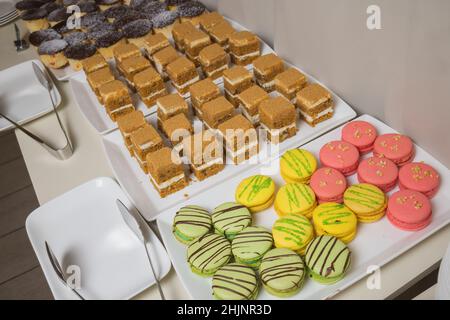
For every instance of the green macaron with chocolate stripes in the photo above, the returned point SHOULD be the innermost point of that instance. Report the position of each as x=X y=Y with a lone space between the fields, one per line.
x=208 y=253
x=191 y=222
x=327 y=259
x=282 y=272
x=250 y=245
x=230 y=218
x=235 y=281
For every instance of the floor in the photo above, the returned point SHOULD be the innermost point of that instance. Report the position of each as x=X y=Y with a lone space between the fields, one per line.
x=21 y=276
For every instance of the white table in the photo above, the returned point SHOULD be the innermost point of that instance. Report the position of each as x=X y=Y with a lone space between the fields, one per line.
x=51 y=178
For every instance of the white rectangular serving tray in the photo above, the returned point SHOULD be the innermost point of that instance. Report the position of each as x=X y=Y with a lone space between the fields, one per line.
x=375 y=244
x=84 y=227
x=22 y=97
x=139 y=188
x=95 y=113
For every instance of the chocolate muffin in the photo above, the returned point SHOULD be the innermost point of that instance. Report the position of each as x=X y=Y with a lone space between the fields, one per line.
x=107 y=42
x=28 y=5
x=57 y=16
x=52 y=53
x=37 y=37
x=136 y=31
x=76 y=53
x=162 y=22
x=191 y=11
x=76 y=38
x=35 y=19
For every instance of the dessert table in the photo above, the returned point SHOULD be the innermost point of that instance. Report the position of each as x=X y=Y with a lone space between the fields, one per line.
x=52 y=177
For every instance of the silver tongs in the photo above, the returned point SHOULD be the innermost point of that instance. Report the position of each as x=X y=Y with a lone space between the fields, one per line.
x=61 y=153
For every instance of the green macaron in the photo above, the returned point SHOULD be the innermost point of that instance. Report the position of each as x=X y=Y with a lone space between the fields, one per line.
x=327 y=259
x=235 y=281
x=282 y=272
x=249 y=245
x=208 y=253
x=230 y=218
x=191 y=222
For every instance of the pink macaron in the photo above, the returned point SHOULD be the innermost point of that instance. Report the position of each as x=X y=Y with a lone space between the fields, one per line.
x=361 y=134
x=340 y=155
x=328 y=184
x=409 y=210
x=419 y=177
x=380 y=172
x=395 y=147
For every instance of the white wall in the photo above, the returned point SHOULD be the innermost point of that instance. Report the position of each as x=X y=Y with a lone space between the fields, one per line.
x=400 y=74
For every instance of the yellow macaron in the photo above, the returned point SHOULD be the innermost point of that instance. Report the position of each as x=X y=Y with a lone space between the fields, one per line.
x=257 y=193
x=293 y=232
x=367 y=201
x=335 y=219
x=295 y=198
x=297 y=165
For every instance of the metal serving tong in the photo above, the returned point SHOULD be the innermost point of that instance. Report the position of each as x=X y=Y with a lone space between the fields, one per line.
x=132 y=223
x=62 y=153
x=58 y=270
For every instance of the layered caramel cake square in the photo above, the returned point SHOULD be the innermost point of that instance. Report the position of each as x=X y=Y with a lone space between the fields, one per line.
x=213 y=60
x=194 y=42
x=98 y=78
x=129 y=67
x=240 y=137
x=154 y=43
x=202 y=92
x=166 y=171
x=244 y=47
x=171 y=105
x=179 y=32
x=279 y=118
x=176 y=129
x=289 y=82
x=315 y=104
x=116 y=99
x=126 y=50
x=236 y=80
x=216 y=112
x=183 y=74
x=209 y=20
x=128 y=123
x=144 y=141
x=162 y=58
x=266 y=68
x=221 y=32
x=94 y=63
x=150 y=86
x=249 y=101
x=205 y=154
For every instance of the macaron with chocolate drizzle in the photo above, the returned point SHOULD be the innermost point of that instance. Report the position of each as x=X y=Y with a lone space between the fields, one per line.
x=230 y=218
x=76 y=53
x=52 y=53
x=37 y=37
x=235 y=281
x=190 y=223
x=35 y=19
x=208 y=253
x=136 y=31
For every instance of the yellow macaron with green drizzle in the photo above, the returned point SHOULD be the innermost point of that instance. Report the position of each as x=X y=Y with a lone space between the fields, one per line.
x=297 y=165
x=293 y=232
x=256 y=193
x=367 y=201
x=295 y=198
x=335 y=219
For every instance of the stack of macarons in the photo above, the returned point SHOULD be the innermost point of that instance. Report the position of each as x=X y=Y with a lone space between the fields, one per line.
x=257 y=193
